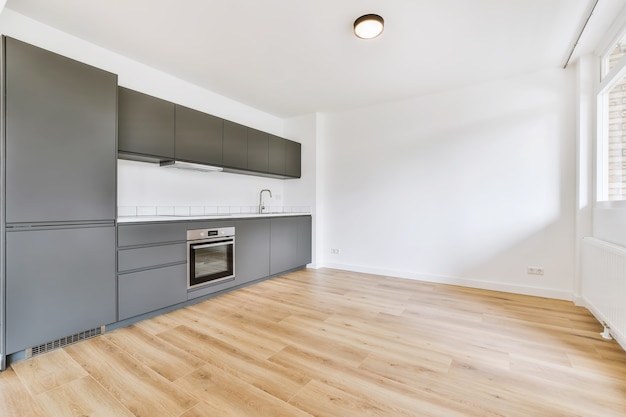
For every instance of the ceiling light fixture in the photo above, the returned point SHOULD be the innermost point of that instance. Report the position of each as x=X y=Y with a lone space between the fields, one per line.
x=368 y=26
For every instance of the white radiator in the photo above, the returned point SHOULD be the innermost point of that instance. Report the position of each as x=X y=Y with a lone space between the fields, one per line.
x=604 y=284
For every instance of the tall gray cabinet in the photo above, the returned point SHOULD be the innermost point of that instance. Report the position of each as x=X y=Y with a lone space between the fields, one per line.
x=59 y=164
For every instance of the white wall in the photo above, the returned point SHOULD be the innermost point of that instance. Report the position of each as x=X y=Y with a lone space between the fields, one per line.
x=141 y=184
x=470 y=186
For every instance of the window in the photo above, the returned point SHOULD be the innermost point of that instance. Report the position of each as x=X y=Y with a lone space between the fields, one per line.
x=612 y=57
x=612 y=125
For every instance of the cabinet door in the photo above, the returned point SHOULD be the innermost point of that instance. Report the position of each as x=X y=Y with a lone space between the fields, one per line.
x=283 y=244
x=258 y=143
x=277 y=149
x=145 y=124
x=150 y=233
x=293 y=158
x=252 y=250
x=305 y=243
x=198 y=136
x=290 y=243
x=60 y=138
x=58 y=283
x=145 y=291
x=235 y=146
x=151 y=256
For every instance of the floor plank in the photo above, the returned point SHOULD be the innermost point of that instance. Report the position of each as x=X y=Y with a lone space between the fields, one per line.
x=46 y=372
x=82 y=397
x=167 y=360
x=15 y=399
x=142 y=390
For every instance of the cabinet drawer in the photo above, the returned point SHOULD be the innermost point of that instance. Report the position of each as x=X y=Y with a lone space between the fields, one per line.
x=142 y=292
x=128 y=259
x=146 y=234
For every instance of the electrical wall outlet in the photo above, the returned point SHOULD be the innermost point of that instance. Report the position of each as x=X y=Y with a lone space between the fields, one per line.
x=335 y=251
x=535 y=270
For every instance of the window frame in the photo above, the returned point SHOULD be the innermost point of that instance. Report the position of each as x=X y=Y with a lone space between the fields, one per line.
x=608 y=81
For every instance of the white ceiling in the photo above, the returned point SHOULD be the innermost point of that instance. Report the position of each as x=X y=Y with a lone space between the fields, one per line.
x=292 y=57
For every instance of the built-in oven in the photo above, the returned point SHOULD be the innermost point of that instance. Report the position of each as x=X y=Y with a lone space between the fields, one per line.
x=210 y=256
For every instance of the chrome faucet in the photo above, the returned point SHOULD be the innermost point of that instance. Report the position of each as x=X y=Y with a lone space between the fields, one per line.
x=261 y=205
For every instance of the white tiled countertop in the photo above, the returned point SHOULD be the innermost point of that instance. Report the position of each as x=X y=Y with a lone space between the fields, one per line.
x=165 y=218
x=135 y=214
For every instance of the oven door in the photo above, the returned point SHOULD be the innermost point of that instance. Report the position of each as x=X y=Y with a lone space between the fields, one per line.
x=210 y=261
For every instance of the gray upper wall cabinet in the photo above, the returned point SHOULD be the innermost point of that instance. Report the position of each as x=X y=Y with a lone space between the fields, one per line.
x=153 y=130
x=276 y=155
x=235 y=146
x=145 y=125
x=258 y=155
x=198 y=136
x=293 y=159
x=60 y=137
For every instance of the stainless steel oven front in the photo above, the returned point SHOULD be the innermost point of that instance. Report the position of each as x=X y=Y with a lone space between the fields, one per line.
x=210 y=256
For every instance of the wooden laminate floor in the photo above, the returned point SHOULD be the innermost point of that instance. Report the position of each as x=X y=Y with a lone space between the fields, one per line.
x=333 y=343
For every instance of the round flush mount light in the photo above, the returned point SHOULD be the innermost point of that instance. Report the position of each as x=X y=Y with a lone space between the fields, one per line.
x=369 y=26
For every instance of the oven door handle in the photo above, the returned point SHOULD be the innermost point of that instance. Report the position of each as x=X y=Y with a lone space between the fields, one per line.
x=210 y=245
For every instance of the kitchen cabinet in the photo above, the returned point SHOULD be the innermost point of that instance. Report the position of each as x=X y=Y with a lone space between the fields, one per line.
x=145 y=291
x=60 y=196
x=293 y=159
x=276 y=155
x=58 y=282
x=198 y=137
x=152 y=258
x=235 y=146
x=153 y=130
x=151 y=233
x=60 y=138
x=152 y=267
x=146 y=126
x=258 y=156
x=290 y=243
x=252 y=250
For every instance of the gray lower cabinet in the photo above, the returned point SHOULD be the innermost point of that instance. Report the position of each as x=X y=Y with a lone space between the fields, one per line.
x=152 y=259
x=150 y=256
x=151 y=233
x=58 y=282
x=152 y=267
x=304 y=254
x=290 y=243
x=252 y=250
x=150 y=290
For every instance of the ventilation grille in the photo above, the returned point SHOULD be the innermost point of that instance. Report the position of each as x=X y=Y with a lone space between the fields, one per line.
x=64 y=341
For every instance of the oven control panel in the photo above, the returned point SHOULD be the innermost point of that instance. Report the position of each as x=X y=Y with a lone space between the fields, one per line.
x=210 y=233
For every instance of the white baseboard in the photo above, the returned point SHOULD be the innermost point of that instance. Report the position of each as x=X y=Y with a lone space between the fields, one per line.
x=464 y=282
